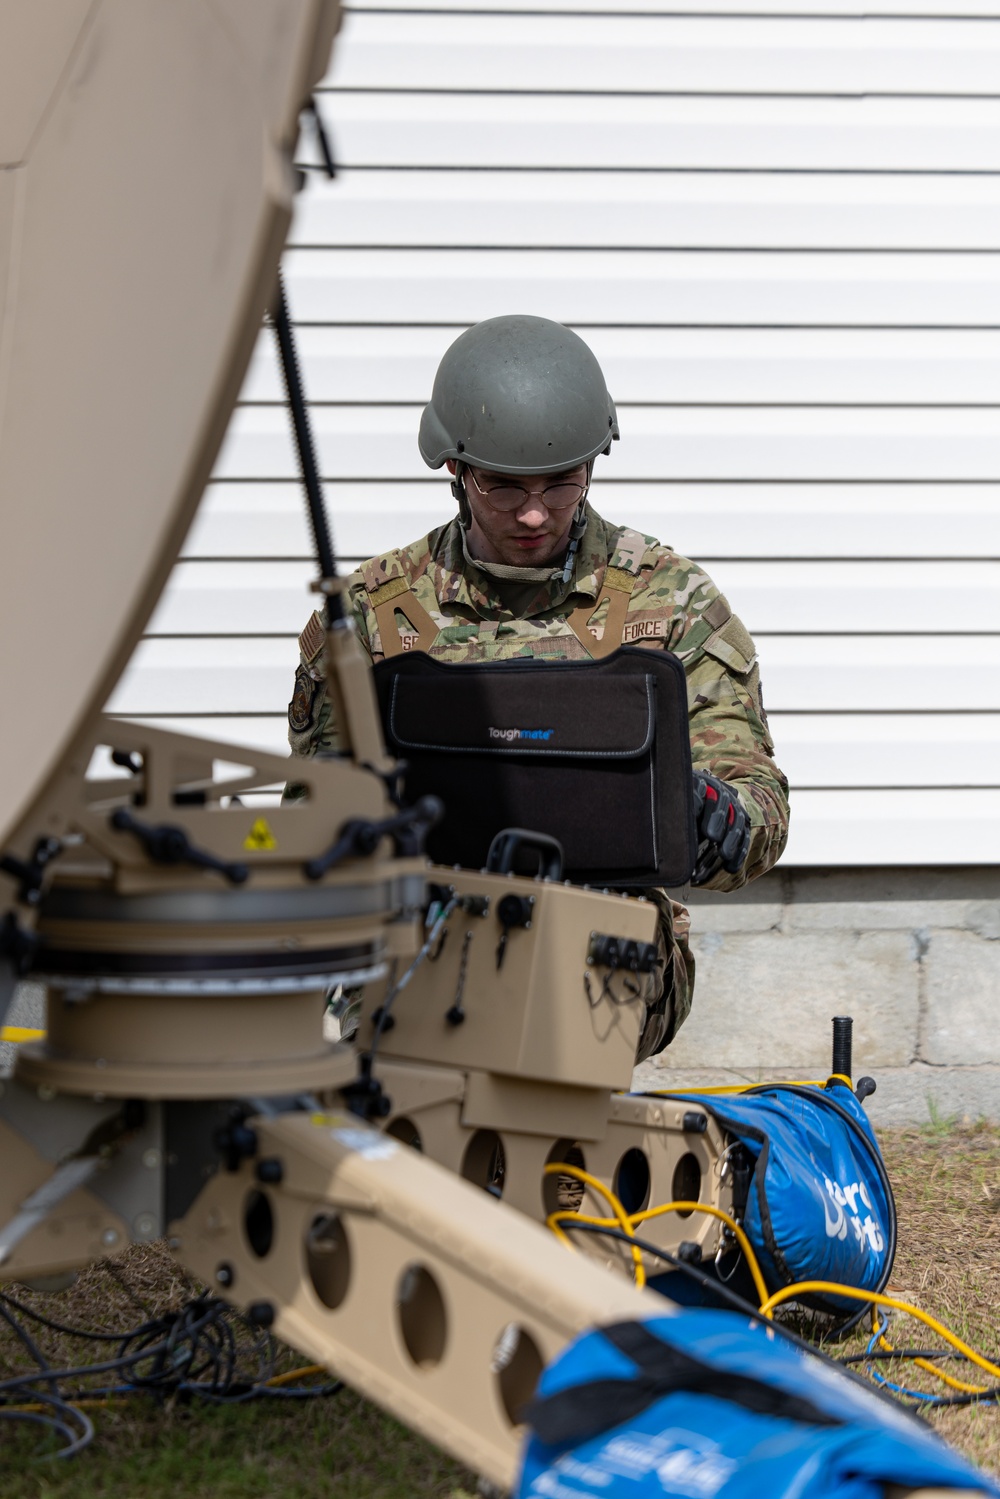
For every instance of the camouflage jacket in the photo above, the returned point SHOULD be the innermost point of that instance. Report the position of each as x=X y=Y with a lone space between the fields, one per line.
x=673 y=605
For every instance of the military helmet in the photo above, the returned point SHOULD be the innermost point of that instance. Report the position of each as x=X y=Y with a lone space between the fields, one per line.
x=518 y=395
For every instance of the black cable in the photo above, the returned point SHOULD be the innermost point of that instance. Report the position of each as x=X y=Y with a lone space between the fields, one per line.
x=192 y=1353
x=40 y=1419
x=209 y=1310
x=59 y=1421
x=193 y=1350
x=737 y=1302
x=333 y=603
x=941 y=1402
x=72 y=1443
x=885 y=1353
x=74 y=1332
x=438 y=926
x=329 y=165
x=25 y=1338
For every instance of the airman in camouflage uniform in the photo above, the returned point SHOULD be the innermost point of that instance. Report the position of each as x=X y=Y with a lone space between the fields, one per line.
x=621 y=588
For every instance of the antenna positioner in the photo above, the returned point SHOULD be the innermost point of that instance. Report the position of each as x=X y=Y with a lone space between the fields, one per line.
x=171 y=845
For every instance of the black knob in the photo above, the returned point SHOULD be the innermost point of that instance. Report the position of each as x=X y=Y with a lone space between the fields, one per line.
x=843 y=1027
x=515 y=910
x=260 y=1314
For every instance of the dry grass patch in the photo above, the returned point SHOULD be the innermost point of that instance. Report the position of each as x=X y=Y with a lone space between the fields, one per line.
x=947 y=1183
x=946 y=1179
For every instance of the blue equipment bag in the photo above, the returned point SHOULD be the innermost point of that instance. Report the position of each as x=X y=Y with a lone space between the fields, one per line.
x=701 y=1405
x=819 y=1205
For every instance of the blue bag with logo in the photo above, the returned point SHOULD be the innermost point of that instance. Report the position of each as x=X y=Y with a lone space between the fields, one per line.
x=819 y=1204
x=702 y=1405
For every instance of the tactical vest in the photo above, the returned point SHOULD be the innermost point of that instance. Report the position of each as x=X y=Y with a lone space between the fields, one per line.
x=396 y=595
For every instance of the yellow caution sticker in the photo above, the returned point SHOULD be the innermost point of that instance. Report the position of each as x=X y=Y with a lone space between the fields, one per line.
x=260 y=838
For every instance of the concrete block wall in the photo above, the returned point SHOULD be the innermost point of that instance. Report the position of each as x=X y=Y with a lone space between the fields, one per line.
x=912 y=955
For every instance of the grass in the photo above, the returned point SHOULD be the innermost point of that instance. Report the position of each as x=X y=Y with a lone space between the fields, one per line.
x=946 y=1178
x=947 y=1182
x=328 y=1448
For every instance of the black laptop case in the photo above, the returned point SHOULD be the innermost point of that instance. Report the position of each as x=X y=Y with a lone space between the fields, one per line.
x=595 y=754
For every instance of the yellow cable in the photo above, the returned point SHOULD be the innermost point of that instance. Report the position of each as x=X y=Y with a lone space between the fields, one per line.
x=628 y=1222
x=552 y=1223
x=562 y=1168
x=291 y=1375
x=19 y=1033
x=804 y=1287
x=760 y=1284
x=722 y=1088
x=923 y=1363
x=105 y=1401
x=567 y=1215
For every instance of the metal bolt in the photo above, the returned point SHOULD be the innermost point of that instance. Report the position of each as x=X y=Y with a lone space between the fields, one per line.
x=151 y=1158
x=45 y=1093
x=110 y=1236
x=224 y=1275
x=145 y=1226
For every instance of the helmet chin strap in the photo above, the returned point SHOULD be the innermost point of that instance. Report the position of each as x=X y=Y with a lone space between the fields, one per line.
x=458 y=490
x=577 y=529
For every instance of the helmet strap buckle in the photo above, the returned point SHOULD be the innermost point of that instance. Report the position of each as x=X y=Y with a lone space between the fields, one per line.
x=578 y=529
x=462 y=499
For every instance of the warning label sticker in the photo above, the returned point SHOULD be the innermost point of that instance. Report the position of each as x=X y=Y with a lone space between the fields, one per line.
x=260 y=837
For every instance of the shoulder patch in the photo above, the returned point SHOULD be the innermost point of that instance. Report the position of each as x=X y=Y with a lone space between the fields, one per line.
x=738 y=636
x=718 y=612
x=313 y=638
x=300 y=709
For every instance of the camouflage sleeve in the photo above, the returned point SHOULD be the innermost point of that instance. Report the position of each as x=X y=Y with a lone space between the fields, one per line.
x=311 y=728
x=729 y=731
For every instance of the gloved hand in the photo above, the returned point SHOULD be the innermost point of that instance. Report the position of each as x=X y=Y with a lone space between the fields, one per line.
x=723 y=828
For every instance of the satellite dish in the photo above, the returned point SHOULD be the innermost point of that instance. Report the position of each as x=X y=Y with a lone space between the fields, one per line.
x=145 y=195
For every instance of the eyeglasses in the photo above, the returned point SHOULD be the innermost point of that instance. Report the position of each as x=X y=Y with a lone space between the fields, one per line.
x=510 y=497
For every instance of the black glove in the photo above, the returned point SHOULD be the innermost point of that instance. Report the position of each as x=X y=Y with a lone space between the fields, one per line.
x=723 y=828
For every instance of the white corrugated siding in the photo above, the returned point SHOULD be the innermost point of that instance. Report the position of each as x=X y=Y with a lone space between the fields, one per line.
x=780 y=234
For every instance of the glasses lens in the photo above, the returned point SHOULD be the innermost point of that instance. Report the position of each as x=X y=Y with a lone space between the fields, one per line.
x=561 y=496
x=510 y=497
x=505 y=497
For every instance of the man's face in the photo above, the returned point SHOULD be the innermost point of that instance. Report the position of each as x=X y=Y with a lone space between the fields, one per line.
x=536 y=531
